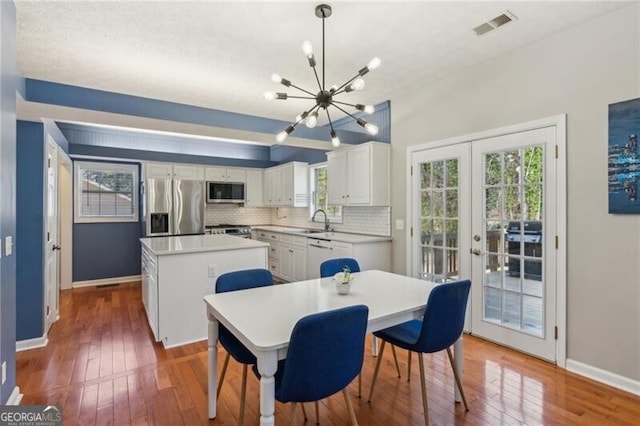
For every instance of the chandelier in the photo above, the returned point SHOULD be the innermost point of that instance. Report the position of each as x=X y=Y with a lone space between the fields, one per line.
x=324 y=98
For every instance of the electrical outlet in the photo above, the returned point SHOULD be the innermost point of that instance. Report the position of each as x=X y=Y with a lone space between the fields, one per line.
x=4 y=372
x=212 y=271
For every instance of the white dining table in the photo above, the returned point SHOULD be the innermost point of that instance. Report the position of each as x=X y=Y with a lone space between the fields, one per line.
x=262 y=319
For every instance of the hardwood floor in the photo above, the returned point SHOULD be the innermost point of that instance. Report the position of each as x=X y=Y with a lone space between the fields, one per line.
x=103 y=367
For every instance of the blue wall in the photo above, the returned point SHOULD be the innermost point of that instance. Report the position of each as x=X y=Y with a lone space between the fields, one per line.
x=30 y=227
x=10 y=82
x=106 y=250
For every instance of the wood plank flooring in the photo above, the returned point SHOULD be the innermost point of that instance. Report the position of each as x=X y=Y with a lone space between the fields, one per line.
x=103 y=367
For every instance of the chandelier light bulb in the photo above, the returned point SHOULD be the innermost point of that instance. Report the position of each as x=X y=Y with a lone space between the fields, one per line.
x=312 y=120
x=367 y=109
x=358 y=84
x=333 y=88
x=269 y=96
x=276 y=78
x=307 y=49
x=374 y=64
x=280 y=137
x=372 y=129
x=335 y=140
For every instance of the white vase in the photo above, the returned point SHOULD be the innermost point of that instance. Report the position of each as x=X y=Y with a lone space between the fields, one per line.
x=343 y=288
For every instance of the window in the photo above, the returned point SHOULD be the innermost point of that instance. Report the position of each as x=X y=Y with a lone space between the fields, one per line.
x=319 y=198
x=106 y=192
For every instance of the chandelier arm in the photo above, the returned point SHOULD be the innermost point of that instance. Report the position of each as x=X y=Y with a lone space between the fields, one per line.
x=300 y=97
x=303 y=90
x=341 y=103
x=347 y=82
x=329 y=118
x=317 y=79
x=346 y=112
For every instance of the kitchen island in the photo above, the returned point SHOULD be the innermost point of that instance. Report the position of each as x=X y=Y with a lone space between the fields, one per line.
x=177 y=272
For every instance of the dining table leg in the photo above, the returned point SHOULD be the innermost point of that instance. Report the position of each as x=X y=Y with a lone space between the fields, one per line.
x=267 y=366
x=458 y=356
x=213 y=365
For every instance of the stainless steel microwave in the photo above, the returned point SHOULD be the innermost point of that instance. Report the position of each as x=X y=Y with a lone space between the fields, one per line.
x=225 y=192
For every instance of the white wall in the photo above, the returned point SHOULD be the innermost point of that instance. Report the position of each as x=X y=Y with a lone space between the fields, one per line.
x=577 y=72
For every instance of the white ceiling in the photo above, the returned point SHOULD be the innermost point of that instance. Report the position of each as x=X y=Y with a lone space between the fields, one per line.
x=221 y=54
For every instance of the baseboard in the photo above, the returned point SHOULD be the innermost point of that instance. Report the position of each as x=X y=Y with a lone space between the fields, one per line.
x=603 y=376
x=106 y=281
x=38 y=342
x=15 y=397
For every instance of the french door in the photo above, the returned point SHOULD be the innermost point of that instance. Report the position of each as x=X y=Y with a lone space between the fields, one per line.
x=486 y=210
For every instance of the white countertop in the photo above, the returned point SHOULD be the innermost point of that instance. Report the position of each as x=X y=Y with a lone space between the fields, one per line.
x=333 y=236
x=198 y=243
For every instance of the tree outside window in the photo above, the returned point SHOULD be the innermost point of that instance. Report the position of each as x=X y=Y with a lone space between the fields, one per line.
x=320 y=197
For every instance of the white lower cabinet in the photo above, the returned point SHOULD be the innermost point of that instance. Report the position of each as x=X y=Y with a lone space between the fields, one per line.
x=287 y=255
x=293 y=258
x=173 y=286
x=149 y=272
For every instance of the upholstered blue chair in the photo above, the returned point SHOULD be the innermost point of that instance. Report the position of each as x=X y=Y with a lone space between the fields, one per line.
x=232 y=281
x=440 y=327
x=329 y=268
x=325 y=354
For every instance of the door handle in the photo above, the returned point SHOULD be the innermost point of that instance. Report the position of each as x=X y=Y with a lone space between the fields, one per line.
x=55 y=247
x=477 y=252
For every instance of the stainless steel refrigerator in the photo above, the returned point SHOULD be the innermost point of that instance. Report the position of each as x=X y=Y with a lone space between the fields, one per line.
x=173 y=207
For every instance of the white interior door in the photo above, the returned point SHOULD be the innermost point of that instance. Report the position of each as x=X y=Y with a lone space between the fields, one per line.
x=52 y=248
x=65 y=224
x=486 y=209
x=514 y=233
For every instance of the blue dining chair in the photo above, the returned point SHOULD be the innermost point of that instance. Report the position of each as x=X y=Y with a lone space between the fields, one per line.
x=232 y=281
x=325 y=354
x=440 y=327
x=329 y=268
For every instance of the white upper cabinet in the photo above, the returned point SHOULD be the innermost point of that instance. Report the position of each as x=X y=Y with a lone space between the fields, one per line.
x=253 y=189
x=359 y=175
x=225 y=174
x=188 y=172
x=169 y=171
x=287 y=185
x=158 y=170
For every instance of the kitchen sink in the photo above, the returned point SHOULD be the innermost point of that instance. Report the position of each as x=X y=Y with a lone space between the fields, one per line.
x=304 y=231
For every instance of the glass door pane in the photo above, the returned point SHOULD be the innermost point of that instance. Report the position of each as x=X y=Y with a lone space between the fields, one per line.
x=513 y=231
x=439 y=229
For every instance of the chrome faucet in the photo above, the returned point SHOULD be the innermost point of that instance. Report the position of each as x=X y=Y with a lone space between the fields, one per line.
x=326 y=219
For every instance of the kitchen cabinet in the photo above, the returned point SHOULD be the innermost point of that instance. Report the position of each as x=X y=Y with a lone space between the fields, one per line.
x=177 y=171
x=293 y=258
x=372 y=254
x=179 y=271
x=225 y=174
x=254 y=189
x=287 y=185
x=287 y=255
x=158 y=170
x=359 y=176
x=150 y=288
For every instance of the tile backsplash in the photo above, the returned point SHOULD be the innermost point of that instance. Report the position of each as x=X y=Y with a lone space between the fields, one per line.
x=358 y=220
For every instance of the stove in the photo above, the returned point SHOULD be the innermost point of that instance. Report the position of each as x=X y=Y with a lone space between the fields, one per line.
x=242 y=231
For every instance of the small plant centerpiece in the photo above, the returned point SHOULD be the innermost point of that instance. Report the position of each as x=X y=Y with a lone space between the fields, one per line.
x=343 y=280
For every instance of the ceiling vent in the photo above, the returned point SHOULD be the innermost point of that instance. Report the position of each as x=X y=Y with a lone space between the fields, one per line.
x=494 y=23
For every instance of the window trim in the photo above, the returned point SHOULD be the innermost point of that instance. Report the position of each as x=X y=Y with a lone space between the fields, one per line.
x=312 y=192
x=132 y=168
